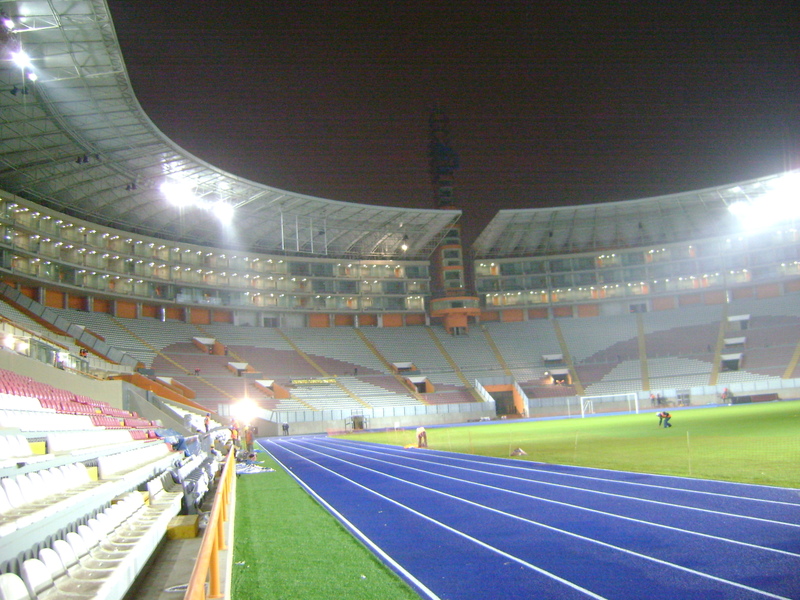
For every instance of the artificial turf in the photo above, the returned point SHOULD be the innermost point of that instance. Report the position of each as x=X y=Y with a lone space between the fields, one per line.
x=289 y=547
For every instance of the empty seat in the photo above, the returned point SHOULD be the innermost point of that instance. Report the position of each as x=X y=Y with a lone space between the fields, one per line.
x=86 y=559
x=41 y=585
x=63 y=580
x=13 y=588
x=70 y=560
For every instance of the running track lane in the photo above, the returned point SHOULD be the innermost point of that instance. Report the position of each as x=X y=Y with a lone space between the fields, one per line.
x=462 y=527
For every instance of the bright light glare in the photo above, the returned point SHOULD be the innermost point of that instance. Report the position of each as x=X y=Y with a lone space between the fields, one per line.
x=178 y=193
x=21 y=59
x=739 y=208
x=779 y=203
x=244 y=411
x=223 y=211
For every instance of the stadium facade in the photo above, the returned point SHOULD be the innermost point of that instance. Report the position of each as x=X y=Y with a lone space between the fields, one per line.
x=103 y=213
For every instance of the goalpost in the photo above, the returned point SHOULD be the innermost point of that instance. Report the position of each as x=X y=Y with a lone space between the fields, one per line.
x=626 y=402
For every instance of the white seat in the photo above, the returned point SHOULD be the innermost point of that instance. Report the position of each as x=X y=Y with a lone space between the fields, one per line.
x=104 y=528
x=70 y=561
x=103 y=549
x=13 y=507
x=63 y=580
x=13 y=588
x=85 y=558
x=41 y=586
x=76 y=475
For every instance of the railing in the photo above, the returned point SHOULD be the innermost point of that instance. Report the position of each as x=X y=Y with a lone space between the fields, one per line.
x=207 y=567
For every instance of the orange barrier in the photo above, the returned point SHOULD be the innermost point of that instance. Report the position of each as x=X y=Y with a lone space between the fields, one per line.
x=207 y=568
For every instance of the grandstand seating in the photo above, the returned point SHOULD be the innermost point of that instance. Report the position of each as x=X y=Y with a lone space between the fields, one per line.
x=75 y=483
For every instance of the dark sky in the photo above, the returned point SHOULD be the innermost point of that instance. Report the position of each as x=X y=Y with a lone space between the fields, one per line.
x=550 y=103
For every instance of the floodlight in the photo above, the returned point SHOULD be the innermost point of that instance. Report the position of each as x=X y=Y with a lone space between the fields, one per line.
x=223 y=211
x=178 y=193
x=739 y=208
x=244 y=411
x=776 y=204
x=21 y=59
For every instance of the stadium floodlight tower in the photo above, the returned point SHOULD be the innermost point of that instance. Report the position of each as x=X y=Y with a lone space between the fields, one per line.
x=450 y=301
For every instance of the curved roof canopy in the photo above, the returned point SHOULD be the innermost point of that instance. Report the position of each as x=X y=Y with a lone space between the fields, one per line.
x=76 y=140
x=726 y=210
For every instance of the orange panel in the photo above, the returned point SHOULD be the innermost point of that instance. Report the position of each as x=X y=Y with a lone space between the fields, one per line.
x=53 y=298
x=222 y=316
x=367 y=320
x=200 y=316
x=490 y=315
x=562 y=311
x=101 y=305
x=771 y=290
x=792 y=286
x=319 y=320
x=343 y=320
x=77 y=302
x=392 y=320
x=664 y=303
x=415 y=319
x=149 y=310
x=717 y=297
x=588 y=310
x=30 y=292
x=126 y=310
x=690 y=299
x=512 y=315
x=537 y=313
x=455 y=320
x=174 y=313
x=739 y=293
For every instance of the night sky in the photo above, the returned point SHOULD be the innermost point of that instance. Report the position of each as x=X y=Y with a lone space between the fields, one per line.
x=550 y=103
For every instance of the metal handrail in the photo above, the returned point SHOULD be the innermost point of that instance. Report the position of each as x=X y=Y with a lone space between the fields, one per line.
x=206 y=567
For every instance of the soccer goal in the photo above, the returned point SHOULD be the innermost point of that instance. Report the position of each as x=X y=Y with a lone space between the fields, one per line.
x=628 y=402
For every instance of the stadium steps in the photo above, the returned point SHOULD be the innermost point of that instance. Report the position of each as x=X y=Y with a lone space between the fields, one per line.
x=389 y=368
x=438 y=343
x=576 y=382
x=715 y=367
x=496 y=351
x=642 y=352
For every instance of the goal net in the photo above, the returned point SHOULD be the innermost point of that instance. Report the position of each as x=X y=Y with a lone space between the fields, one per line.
x=608 y=403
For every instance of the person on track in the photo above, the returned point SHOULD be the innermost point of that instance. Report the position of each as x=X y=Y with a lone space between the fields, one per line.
x=422 y=437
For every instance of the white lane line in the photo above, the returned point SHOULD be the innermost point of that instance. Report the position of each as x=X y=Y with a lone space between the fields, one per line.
x=447 y=527
x=581 y=489
x=528 y=521
x=445 y=456
x=360 y=534
x=671 y=528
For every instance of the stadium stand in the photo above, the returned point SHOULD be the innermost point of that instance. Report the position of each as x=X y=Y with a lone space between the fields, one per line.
x=99 y=452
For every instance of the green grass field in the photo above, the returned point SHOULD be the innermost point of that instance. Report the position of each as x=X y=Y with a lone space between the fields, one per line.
x=288 y=547
x=750 y=443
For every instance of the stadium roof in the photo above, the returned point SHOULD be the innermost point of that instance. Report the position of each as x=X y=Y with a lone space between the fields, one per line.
x=669 y=219
x=76 y=140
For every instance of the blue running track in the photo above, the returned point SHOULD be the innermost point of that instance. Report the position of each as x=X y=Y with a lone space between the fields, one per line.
x=462 y=527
